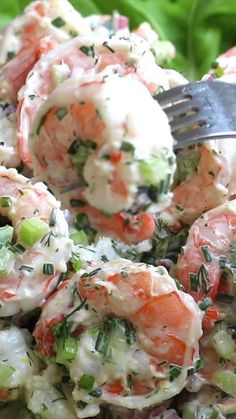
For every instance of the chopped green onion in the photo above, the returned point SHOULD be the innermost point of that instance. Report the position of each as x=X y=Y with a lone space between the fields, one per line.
x=153 y=193
x=6 y=372
x=26 y=268
x=61 y=113
x=82 y=220
x=102 y=343
x=127 y=147
x=223 y=262
x=81 y=405
x=74 y=147
x=17 y=249
x=10 y=55
x=96 y=393
x=224 y=344
x=205 y=303
x=90 y=144
x=5 y=201
x=53 y=218
x=194 y=282
x=174 y=372
x=77 y=203
x=89 y=51
x=206 y=253
x=7 y=259
x=86 y=382
x=32 y=230
x=48 y=268
x=226 y=381
x=80 y=158
x=58 y=22
x=66 y=349
x=6 y=234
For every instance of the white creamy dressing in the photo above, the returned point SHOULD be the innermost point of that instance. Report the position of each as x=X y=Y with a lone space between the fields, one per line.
x=15 y=352
x=8 y=147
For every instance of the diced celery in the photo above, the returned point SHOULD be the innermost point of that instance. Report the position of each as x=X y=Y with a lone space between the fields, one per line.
x=208 y=412
x=224 y=344
x=7 y=259
x=5 y=201
x=79 y=237
x=154 y=170
x=226 y=381
x=32 y=230
x=6 y=372
x=6 y=234
x=163 y=51
x=86 y=382
x=189 y=411
x=66 y=350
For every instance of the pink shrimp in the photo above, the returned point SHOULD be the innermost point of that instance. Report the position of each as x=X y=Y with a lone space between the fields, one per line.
x=24 y=282
x=79 y=138
x=83 y=55
x=161 y=324
x=23 y=42
x=199 y=266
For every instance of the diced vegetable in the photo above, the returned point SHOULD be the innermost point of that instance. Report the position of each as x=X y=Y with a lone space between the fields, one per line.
x=208 y=412
x=79 y=237
x=5 y=201
x=226 y=381
x=6 y=234
x=66 y=350
x=7 y=259
x=6 y=372
x=86 y=382
x=154 y=170
x=32 y=230
x=224 y=344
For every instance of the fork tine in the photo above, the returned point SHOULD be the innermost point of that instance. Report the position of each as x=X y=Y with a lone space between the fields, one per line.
x=195 y=105
x=170 y=96
x=187 y=122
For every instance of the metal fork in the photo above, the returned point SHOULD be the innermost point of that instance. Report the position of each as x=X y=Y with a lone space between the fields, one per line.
x=200 y=111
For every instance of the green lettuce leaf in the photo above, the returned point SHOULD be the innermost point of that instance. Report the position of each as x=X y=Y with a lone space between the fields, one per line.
x=199 y=29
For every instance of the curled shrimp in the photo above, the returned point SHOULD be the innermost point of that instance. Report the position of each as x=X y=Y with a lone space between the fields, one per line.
x=208 y=250
x=88 y=135
x=25 y=280
x=128 y=56
x=133 y=327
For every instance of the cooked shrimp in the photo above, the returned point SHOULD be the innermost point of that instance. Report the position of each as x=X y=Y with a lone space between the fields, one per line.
x=137 y=334
x=208 y=249
x=129 y=56
x=93 y=132
x=17 y=361
x=20 y=44
x=31 y=265
x=203 y=172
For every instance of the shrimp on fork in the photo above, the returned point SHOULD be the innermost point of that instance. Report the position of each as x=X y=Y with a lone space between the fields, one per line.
x=88 y=135
x=131 y=330
x=83 y=55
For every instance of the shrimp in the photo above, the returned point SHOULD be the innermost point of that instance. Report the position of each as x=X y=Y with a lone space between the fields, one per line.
x=26 y=39
x=202 y=172
x=92 y=133
x=34 y=243
x=17 y=361
x=137 y=333
x=208 y=250
x=20 y=44
x=129 y=56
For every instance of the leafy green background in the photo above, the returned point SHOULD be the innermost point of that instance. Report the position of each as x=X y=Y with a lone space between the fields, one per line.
x=200 y=29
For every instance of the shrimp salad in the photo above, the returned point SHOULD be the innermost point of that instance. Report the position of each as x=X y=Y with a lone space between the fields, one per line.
x=117 y=254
